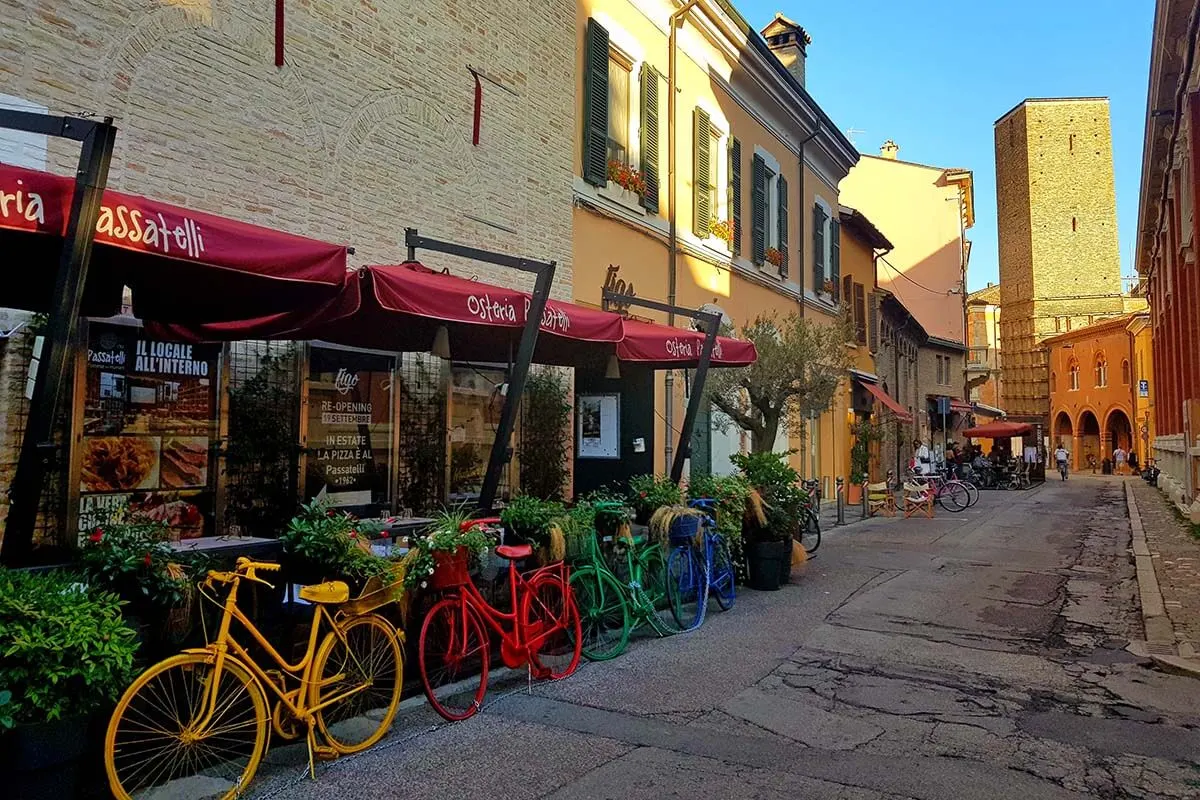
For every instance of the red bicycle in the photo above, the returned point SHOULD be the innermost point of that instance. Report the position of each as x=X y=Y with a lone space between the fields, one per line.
x=541 y=632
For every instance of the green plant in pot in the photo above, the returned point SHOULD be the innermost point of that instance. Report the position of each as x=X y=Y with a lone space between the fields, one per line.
x=772 y=517
x=447 y=550
x=323 y=544
x=648 y=493
x=528 y=519
x=66 y=654
x=865 y=434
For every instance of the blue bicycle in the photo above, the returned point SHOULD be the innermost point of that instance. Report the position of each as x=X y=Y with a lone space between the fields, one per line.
x=694 y=576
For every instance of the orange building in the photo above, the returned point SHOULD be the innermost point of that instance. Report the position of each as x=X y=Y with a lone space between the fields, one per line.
x=1093 y=390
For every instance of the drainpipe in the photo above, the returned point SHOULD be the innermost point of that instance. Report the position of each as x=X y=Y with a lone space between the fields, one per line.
x=803 y=211
x=674 y=23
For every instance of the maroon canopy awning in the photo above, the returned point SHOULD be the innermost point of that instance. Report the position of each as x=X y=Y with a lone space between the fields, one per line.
x=401 y=307
x=998 y=430
x=181 y=265
x=666 y=347
x=883 y=397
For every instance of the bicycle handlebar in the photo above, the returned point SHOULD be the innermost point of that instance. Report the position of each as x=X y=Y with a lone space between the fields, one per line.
x=244 y=568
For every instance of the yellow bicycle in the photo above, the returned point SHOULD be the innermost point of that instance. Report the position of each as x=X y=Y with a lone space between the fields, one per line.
x=197 y=724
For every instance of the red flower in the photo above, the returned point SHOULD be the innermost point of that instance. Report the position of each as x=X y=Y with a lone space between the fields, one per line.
x=642 y=494
x=353 y=534
x=147 y=560
x=96 y=536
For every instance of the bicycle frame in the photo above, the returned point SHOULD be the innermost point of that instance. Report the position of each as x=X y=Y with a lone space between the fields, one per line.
x=509 y=625
x=224 y=644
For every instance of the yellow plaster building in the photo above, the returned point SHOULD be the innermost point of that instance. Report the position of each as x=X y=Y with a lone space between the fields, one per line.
x=755 y=223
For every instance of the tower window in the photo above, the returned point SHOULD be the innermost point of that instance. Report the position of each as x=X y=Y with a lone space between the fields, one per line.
x=1071 y=142
x=1072 y=224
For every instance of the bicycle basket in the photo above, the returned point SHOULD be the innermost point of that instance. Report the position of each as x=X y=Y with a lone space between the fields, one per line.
x=581 y=544
x=450 y=569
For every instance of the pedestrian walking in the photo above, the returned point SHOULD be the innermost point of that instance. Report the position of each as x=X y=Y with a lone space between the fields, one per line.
x=1119 y=456
x=922 y=460
x=1061 y=457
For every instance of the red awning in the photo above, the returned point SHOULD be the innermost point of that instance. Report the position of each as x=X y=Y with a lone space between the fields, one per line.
x=181 y=265
x=667 y=347
x=401 y=307
x=888 y=403
x=998 y=430
x=959 y=407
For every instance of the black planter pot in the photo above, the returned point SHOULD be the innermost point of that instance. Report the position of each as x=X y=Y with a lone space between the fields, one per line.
x=785 y=566
x=766 y=562
x=42 y=761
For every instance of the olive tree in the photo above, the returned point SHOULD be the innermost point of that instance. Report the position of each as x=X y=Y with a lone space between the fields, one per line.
x=800 y=364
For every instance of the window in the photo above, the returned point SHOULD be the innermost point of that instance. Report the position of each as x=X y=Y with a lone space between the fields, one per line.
x=1101 y=370
x=1053 y=383
x=1125 y=372
x=769 y=212
x=615 y=133
x=860 y=313
x=826 y=244
x=618 y=108
x=1074 y=375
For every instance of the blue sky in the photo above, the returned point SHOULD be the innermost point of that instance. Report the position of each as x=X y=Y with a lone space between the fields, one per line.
x=934 y=75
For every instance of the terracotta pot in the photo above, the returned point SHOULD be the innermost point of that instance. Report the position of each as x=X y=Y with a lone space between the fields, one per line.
x=854 y=494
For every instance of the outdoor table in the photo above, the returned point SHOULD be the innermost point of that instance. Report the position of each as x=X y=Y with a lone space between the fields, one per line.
x=255 y=547
x=395 y=528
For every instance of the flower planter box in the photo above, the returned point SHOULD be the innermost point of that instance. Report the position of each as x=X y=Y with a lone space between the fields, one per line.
x=450 y=569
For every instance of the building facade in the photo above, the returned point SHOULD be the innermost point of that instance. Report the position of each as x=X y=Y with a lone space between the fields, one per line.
x=754 y=228
x=1093 y=390
x=985 y=383
x=1060 y=267
x=901 y=338
x=1166 y=245
x=344 y=125
x=926 y=212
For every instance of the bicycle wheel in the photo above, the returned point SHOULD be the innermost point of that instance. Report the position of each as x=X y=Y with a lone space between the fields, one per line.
x=810 y=531
x=551 y=619
x=972 y=493
x=722 y=584
x=367 y=672
x=687 y=588
x=154 y=744
x=603 y=613
x=953 y=497
x=453 y=655
x=649 y=592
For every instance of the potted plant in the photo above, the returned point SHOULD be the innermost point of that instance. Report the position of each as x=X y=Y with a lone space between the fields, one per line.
x=721 y=229
x=865 y=433
x=676 y=524
x=66 y=654
x=130 y=555
x=772 y=517
x=774 y=256
x=828 y=286
x=648 y=493
x=446 y=553
x=322 y=544
x=625 y=176
x=528 y=520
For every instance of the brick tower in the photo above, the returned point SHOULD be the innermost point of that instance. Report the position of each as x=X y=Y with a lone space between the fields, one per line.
x=1060 y=267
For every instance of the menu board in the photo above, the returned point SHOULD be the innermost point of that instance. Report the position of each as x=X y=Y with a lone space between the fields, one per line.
x=349 y=426
x=149 y=419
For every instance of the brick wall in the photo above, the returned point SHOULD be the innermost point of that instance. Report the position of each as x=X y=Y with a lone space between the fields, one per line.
x=1059 y=258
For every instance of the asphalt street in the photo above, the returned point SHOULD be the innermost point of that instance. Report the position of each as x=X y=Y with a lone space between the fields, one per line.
x=975 y=655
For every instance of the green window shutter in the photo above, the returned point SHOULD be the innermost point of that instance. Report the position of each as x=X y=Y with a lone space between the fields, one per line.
x=595 y=104
x=818 y=248
x=702 y=210
x=835 y=256
x=758 y=211
x=873 y=323
x=649 y=127
x=783 y=225
x=735 y=193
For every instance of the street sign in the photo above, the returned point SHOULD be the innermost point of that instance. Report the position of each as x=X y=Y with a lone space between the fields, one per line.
x=1143 y=388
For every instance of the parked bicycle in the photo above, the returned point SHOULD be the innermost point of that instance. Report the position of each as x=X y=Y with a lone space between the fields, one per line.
x=200 y=721
x=619 y=585
x=951 y=495
x=810 y=518
x=966 y=480
x=541 y=632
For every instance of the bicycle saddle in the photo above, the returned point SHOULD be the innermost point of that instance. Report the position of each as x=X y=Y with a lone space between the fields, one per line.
x=329 y=592
x=514 y=552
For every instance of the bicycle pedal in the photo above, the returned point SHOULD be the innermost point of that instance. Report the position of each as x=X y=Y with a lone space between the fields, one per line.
x=324 y=752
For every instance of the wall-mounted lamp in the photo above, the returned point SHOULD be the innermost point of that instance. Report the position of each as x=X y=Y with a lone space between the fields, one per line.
x=613 y=370
x=441 y=342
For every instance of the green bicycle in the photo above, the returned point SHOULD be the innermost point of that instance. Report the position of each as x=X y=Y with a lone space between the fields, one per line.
x=619 y=584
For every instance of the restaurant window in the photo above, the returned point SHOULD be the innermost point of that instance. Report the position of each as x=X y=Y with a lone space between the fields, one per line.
x=149 y=430
x=476 y=399
x=348 y=432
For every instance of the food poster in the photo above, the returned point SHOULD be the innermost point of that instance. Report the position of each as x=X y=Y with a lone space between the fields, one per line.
x=149 y=420
x=349 y=427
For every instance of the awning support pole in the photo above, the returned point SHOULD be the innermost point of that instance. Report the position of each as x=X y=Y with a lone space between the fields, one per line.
x=712 y=323
x=37 y=445
x=544 y=270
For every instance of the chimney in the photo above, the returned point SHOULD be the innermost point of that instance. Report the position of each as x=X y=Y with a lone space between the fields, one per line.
x=789 y=42
x=889 y=150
